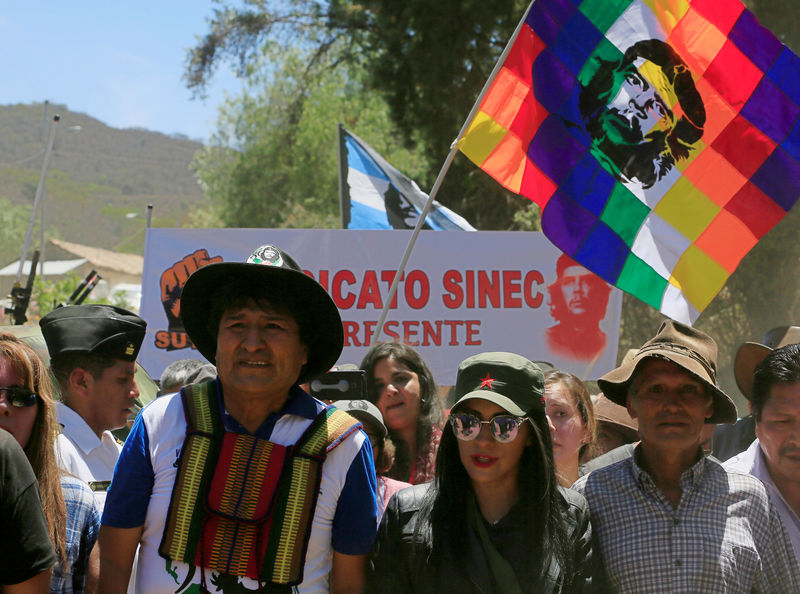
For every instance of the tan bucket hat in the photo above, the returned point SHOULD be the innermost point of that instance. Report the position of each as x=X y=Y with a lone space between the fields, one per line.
x=687 y=347
x=612 y=413
x=750 y=354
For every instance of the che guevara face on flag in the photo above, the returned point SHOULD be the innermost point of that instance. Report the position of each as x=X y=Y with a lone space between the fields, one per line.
x=661 y=138
x=643 y=112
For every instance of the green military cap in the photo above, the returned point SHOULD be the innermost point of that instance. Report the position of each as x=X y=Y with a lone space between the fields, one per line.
x=511 y=381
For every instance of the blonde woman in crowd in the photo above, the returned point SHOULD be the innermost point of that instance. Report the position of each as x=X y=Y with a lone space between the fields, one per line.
x=569 y=408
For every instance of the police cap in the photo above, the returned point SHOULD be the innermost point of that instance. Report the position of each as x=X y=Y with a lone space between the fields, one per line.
x=103 y=330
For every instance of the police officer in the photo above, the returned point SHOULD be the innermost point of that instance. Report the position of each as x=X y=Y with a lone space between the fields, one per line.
x=93 y=351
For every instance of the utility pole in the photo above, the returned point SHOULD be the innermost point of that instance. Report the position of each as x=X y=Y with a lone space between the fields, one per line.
x=20 y=296
x=39 y=191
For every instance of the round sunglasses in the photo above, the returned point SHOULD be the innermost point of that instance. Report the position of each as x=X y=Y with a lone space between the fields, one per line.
x=18 y=396
x=504 y=428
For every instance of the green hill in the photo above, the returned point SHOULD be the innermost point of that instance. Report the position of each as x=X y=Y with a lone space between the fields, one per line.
x=99 y=182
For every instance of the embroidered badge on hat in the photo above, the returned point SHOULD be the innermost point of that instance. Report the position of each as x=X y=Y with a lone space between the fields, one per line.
x=268 y=255
x=130 y=349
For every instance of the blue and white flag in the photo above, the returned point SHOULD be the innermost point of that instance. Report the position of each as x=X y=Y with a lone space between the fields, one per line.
x=375 y=195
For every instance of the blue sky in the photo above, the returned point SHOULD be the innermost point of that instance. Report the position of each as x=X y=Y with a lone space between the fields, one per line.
x=116 y=60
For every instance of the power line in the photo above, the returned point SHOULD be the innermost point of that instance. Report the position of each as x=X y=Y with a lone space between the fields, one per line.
x=26 y=159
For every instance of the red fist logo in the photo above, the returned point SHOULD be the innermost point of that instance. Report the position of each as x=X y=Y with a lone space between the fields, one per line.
x=174 y=278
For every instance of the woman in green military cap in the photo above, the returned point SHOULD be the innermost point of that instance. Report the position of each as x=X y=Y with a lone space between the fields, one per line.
x=494 y=519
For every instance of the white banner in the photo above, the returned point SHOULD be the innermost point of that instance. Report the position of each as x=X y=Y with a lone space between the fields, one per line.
x=462 y=294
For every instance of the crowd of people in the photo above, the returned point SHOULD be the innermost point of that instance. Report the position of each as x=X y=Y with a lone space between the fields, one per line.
x=236 y=479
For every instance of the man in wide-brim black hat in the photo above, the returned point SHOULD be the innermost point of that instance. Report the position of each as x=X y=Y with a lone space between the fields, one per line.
x=246 y=479
x=670 y=518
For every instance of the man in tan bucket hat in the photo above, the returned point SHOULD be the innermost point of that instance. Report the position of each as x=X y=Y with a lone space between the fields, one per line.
x=670 y=519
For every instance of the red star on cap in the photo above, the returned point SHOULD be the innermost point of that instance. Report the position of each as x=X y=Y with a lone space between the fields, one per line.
x=486 y=382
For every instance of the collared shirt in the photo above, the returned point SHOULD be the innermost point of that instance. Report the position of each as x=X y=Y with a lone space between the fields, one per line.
x=83 y=524
x=344 y=517
x=724 y=535
x=80 y=452
x=752 y=461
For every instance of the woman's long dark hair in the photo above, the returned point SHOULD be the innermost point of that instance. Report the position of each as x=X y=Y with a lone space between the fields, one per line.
x=444 y=507
x=430 y=408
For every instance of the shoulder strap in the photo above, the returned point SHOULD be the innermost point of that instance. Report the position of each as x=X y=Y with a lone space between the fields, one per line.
x=184 y=524
x=201 y=409
x=328 y=429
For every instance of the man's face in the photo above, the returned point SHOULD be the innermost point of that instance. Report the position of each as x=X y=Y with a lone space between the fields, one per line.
x=576 y=284
x=608 y=438
x=670 y=404
x=111 y=395
x=778 y=431
x=259 y=352
x=639 y=106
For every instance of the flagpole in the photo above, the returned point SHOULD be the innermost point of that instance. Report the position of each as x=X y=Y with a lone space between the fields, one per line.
x=443 y=171
x=344 y=213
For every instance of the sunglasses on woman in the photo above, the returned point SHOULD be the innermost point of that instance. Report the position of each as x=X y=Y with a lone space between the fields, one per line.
x=18 y=396
x=504 y=428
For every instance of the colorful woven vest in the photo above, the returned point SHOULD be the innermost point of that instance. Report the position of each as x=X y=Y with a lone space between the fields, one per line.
x=242 y=505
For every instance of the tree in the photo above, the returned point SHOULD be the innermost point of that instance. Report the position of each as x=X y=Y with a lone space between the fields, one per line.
x=273 y=160
x=782 y=17
x=428 y=60
x=13 y=225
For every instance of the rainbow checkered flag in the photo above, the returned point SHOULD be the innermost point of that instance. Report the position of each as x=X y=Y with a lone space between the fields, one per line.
x=659 y=137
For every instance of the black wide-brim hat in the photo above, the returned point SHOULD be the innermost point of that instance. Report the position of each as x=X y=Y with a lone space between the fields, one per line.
x=268 y=268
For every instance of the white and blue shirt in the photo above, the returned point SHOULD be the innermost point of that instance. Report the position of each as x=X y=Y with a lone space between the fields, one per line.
x=141 y=490
x=752 y=461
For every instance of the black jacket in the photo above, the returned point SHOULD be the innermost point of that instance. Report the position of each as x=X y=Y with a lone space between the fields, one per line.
x=394 y=568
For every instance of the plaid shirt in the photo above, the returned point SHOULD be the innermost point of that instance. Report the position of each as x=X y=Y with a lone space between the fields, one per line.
x=724 y=536
x=83 y=522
